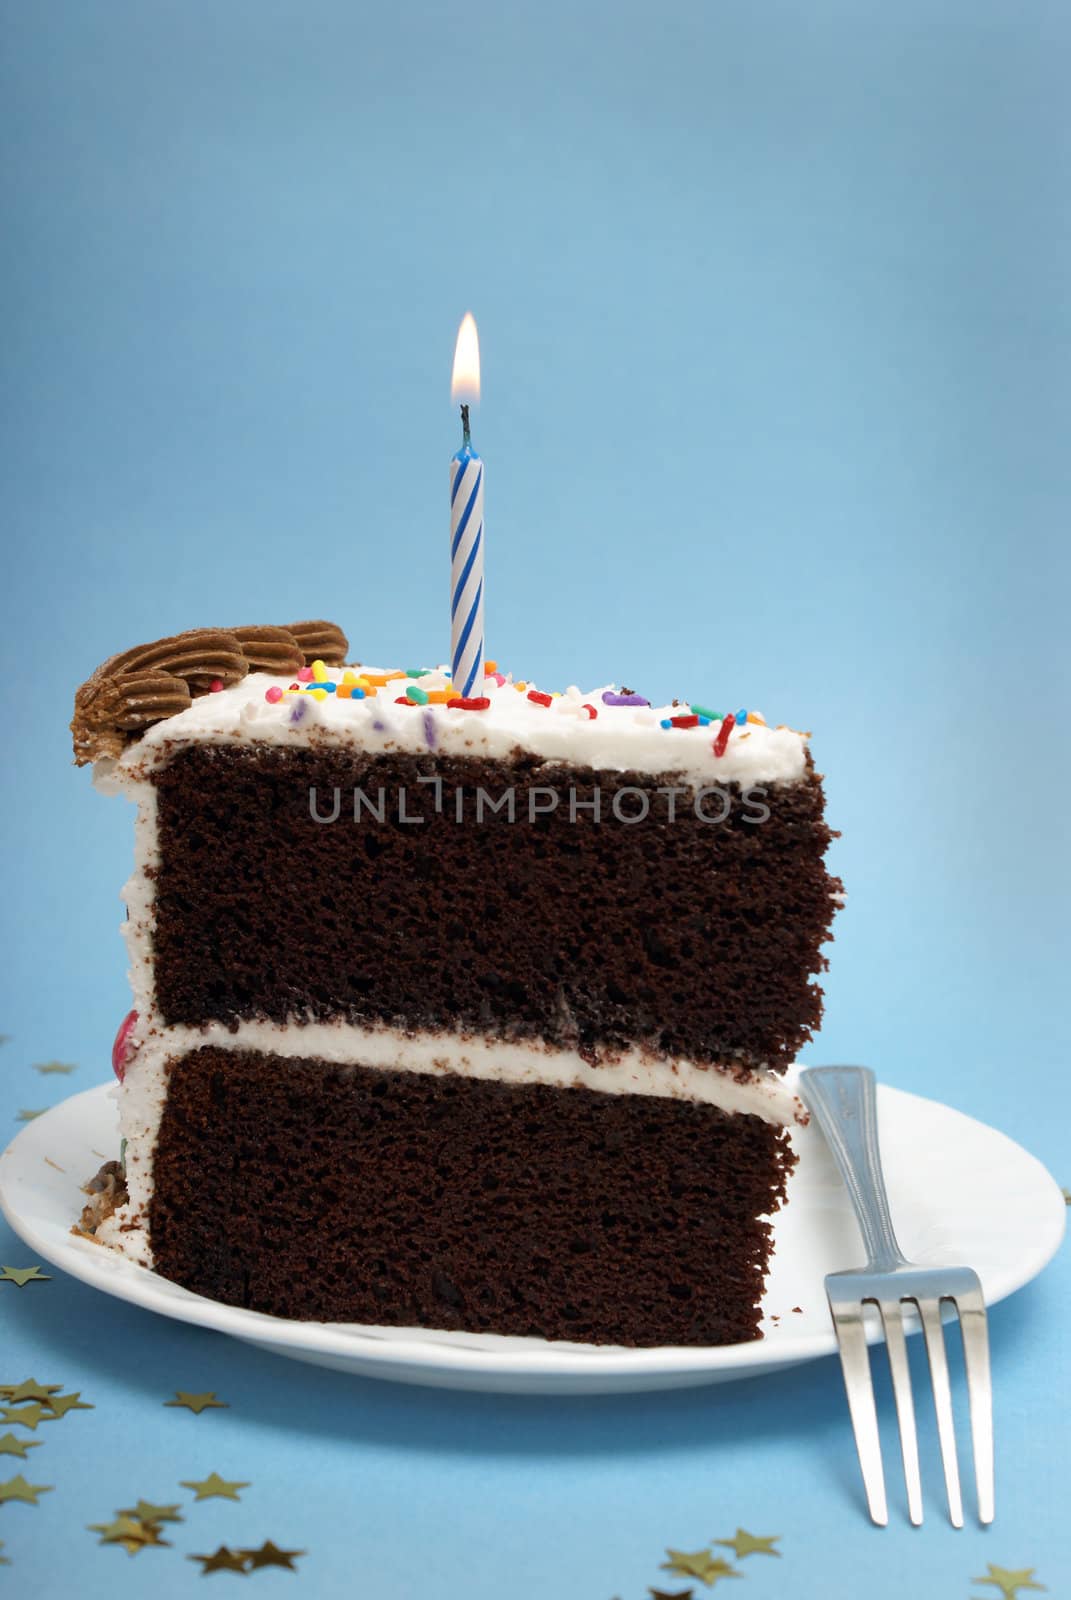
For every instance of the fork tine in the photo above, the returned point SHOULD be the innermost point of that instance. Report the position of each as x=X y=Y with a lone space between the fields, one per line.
x=930 y=1312
x=855 y=1362
x=972 y=1320
x=896 y=1344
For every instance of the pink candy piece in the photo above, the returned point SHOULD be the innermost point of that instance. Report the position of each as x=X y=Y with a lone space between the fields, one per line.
x=215 y=686
x=273 y=694
x=305 y=674
x=122 y=1050
x=499 y=679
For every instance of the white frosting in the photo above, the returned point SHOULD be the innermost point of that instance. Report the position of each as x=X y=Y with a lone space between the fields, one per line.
x=139 y=896
x=144 y=1089
x=619 y=738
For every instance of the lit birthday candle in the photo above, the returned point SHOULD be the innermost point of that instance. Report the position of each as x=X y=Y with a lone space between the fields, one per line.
x=466 y=524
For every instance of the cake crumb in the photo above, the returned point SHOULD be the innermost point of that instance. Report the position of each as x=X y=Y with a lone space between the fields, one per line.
x=107 y=1192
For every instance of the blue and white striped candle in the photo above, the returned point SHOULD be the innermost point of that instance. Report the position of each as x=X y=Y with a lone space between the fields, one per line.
x=466 y=526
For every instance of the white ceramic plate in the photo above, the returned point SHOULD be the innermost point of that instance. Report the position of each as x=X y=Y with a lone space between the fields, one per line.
x=960 y=1192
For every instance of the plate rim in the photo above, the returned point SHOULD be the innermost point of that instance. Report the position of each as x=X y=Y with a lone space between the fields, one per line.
x=390 y=1347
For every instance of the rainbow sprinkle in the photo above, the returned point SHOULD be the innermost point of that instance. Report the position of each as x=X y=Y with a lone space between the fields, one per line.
x=317 y=681
x=609 y=698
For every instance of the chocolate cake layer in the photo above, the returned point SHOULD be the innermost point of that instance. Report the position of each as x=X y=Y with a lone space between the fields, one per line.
x=694 y=937
x=342 y=1193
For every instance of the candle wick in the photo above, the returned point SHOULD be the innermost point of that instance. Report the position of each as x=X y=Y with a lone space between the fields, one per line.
x=466 y=437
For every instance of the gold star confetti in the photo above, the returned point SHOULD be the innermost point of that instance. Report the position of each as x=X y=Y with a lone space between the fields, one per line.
x=699 y=1564
x=29 y=1389
x=750 y=1544
x=29 y=1416
x=10 y=1445
x=1010 y=1582
x=28 y=1116
x=145 y=1511
x=18 y=1489
x=195 y=1402
x=123 y=1527
x=214 y=1487
x=223 y=1560
x=23 y=1275
x=60 y=1404
x=54 y=1066
x=130 y=1532
x=269 y=1555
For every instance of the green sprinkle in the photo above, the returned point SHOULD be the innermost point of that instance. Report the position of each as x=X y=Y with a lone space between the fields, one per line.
x=419 y=697
x=701 y=711
x=417 y=672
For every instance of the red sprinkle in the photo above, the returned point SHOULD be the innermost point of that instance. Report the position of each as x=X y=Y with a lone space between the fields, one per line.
x=592 y=713
x=476 y=703
x=215 y=686
x=538 y=698
x=684 y=722
x=727 y=726
x=273 y=694
x=404 y=700
x=122 y=1049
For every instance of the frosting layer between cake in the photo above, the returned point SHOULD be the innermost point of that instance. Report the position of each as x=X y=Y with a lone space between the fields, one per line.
x=156 y=1048
x=402 y=1198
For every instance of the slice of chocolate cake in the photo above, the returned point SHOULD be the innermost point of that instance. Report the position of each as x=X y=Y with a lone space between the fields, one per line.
x=455 y=1013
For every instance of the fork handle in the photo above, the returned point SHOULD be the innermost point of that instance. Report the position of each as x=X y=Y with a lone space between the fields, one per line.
x=844 y=1101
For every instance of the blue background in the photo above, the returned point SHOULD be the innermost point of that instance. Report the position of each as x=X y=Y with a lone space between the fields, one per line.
x=776 y=342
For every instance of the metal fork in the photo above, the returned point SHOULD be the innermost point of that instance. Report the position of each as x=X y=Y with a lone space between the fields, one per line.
x=844 y=1103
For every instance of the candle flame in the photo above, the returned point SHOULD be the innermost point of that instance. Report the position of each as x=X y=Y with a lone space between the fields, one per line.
x=465 y=384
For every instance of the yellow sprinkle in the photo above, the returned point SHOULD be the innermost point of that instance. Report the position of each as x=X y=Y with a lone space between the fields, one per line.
x=350 y=677
x=520 y=687
x=756 y=716
x=555 y=694
x=319 y=672
x=318 y=694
